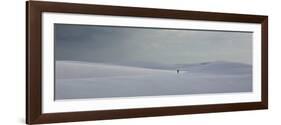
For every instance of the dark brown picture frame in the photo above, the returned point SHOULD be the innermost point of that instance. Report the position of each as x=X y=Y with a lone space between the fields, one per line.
x=34 y=11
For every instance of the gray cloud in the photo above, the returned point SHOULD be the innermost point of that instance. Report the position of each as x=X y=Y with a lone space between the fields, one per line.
x=169 y=46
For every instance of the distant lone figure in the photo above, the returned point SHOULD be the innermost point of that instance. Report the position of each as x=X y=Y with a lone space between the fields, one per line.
x=178 y=71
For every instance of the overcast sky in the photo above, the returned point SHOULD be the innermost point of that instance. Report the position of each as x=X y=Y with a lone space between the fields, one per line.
x=165 y=46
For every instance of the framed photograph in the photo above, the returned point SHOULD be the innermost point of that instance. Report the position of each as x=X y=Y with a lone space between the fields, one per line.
x=94 y=62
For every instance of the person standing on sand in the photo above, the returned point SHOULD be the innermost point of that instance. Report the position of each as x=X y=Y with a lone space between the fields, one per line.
x=178 y=71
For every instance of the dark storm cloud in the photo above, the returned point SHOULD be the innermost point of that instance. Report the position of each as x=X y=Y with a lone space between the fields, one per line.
x=124 y=44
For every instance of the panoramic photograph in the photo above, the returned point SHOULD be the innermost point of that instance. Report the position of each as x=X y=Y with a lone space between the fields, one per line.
x=94 y=61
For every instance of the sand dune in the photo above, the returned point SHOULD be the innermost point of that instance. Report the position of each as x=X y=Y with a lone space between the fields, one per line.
x=76 y=80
